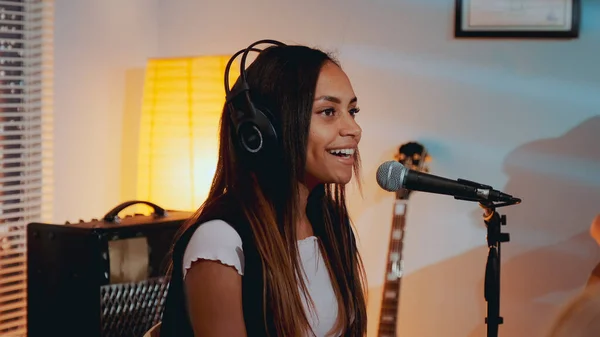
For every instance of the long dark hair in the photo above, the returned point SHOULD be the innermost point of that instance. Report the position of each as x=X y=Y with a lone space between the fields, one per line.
x=282 y=79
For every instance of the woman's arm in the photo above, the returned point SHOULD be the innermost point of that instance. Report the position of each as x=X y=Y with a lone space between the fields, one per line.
x=214 y=296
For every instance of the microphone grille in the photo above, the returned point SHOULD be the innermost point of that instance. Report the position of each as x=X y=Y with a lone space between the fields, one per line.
x=390 y=176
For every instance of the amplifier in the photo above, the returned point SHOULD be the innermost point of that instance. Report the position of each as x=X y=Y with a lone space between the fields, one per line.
x=100 y=278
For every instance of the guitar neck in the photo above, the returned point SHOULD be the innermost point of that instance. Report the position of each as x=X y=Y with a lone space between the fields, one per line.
x=393 y=273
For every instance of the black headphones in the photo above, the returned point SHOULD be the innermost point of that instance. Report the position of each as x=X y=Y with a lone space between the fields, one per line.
x=253 y=125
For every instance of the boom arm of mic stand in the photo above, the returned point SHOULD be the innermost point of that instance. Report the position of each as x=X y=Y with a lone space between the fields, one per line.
x=495 y=237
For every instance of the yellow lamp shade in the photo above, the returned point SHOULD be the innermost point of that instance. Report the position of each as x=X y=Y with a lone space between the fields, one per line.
x=178 y=150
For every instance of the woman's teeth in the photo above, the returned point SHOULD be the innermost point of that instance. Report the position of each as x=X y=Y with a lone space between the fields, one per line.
x=342 y=152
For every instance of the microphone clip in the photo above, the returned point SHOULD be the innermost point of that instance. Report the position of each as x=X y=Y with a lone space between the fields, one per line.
x=484 y=191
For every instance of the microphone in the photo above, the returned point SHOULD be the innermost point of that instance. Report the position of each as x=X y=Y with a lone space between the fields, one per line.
x=393 y=176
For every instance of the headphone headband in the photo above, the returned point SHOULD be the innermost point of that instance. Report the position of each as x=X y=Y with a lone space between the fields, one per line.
x=250 y=47
x=245 y=52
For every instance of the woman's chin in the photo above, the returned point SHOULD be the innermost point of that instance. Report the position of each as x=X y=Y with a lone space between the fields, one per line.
x=342 y=179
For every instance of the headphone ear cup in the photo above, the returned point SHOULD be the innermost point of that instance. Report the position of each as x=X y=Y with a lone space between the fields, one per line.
x=257 y=135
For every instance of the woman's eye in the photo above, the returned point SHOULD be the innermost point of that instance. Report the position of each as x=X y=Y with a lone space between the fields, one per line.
x=354 y=111
x=328 y=112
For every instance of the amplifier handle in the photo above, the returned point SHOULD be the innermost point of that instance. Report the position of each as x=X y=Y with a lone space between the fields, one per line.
x=113 y=214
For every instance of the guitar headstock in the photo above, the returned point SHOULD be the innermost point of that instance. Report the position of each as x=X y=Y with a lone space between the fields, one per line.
x=414 y=156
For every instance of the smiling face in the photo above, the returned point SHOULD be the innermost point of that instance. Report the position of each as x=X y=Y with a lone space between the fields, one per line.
x=334 y=134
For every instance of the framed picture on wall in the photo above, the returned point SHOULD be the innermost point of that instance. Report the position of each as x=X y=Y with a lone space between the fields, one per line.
x=517 y=18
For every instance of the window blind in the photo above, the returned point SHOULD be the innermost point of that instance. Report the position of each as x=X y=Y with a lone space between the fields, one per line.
x=181 y=107
x=26 y=38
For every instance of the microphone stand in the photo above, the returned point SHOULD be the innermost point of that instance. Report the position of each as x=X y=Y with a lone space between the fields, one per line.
x=495 y=237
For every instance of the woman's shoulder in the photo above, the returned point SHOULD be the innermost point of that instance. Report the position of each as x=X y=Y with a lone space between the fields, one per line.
x=217 y=219
x=215 y=240
x=218 y=229
x=222 y=216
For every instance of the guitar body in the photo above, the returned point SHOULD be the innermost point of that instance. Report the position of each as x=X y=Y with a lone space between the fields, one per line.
x=413 y=156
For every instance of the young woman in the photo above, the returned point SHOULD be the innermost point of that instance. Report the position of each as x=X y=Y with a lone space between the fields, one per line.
x=271 y=251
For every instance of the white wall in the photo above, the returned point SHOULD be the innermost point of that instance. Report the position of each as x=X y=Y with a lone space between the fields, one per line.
x=494 y=111
x=98 y=47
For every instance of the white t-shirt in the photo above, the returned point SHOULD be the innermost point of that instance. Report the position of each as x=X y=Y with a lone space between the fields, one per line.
x=216 y=240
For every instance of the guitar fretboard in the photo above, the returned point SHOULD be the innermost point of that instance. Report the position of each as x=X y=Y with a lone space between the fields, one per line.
x=393 y=275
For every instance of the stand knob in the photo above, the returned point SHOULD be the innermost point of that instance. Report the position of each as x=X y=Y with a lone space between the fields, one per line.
x=504 y=237
x=499 y=320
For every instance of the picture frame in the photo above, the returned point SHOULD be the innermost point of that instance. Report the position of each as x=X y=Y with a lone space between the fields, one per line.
x=517 y=18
